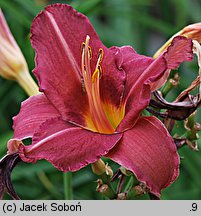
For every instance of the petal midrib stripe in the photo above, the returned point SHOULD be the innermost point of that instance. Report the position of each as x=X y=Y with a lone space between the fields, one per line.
x=65 y=46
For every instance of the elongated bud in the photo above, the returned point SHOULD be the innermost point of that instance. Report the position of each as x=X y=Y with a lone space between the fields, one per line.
x=141 y=189
x=125 y=171
x=121 y=196
x=98 y=167
x=192 y=31
x=13 y=65
x=105 y=190
x=192 y=135
x=109 y=171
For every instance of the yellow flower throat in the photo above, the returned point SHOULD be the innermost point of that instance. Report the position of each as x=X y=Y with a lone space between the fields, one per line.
x=103 y=118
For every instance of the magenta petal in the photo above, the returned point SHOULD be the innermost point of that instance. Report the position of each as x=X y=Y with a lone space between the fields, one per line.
x=154 y=75
x=34 y=111
x=134 y=65
x=150 y=153
x=57 y=36
x=67 y=147
x=113 y=78
x=141 y=72
x=159 y=83
x=181 y=49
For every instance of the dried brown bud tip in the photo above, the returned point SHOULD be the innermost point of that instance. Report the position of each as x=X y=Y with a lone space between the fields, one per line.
x=141 y=189
x=121 y=196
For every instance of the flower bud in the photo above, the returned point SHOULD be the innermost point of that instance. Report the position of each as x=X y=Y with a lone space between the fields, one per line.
x=98 y=167
x=13 y=65
x=105 y=190
x=125 y=171
x=121 y=196
x=141 y=189
x=109 y=171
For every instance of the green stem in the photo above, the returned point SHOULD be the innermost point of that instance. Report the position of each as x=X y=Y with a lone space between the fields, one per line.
x=48 y=184
x=68 y=189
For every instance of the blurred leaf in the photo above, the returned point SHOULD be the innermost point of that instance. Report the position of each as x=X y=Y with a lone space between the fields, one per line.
x=194 y=10
x=16 y=13
x=85 y=6
x=3 y=142
x=30 y=6
x=24 y=170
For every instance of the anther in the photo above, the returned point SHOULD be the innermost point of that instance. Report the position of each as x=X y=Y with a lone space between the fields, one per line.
x=83 y=86
x=88 y=47
x=100 y=55
x=85 y=70
x=90 y=52
x=100 y=71
x=83 y=46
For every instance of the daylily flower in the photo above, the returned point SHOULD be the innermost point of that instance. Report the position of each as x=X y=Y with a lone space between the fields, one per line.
x=92 y=101
x=13 y=65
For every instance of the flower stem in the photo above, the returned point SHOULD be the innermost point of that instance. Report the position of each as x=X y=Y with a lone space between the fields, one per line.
x=48 y=185
x=68 y=189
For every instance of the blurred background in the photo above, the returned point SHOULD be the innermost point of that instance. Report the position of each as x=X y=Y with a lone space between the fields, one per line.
x=143 y=24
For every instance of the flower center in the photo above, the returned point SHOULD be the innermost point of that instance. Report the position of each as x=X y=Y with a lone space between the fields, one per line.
x=91 y=80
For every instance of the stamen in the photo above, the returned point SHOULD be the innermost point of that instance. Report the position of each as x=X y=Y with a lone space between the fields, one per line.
x=83 y=46
x=100 y=55
x=89 y=49
x=86 y=70
x=100 y=71
x=95 y=75
x=91 y=84
x=90 y=52
x=83 y=87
